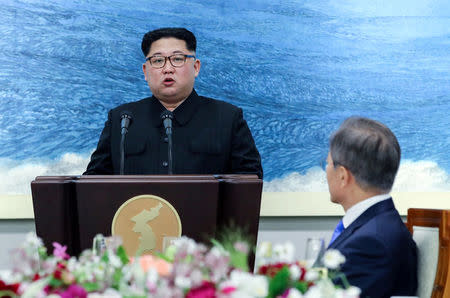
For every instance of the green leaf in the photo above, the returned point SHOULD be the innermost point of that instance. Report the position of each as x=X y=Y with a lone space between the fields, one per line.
x=279 y=283
x=90 y=286
x=239 y=260
x=122 y=254
x=117 y=276
x=42 y=251
x=164 y=257
x=105 y=257
x=8 y=293
x=217 y=244
x=55 y=283
x=302 y=286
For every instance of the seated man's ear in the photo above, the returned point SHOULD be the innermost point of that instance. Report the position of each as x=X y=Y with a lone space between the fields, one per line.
x=345 y=176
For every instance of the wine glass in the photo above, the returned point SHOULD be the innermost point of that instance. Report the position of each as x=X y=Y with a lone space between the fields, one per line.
x=315 y=248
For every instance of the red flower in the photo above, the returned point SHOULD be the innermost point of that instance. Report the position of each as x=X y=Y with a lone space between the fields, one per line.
x=11 y=287
x=206 y=290
x=272 y=269
x=57 y=274
x=302 y=275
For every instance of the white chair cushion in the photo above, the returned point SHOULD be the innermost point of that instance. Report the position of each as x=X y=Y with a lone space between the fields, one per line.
x=427 y=240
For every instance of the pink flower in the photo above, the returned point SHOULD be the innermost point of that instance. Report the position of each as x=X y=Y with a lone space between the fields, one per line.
x=228 y=290
x=206 y=290
x=74 y=291
x=241 y=247
x=60 y=251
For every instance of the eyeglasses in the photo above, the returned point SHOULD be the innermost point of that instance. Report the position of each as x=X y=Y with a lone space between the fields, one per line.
x=324 y=164
x=176 y=60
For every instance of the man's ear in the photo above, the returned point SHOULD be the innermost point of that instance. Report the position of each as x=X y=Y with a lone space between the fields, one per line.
x=345 y=176
x=144 y=69
x=197 y=65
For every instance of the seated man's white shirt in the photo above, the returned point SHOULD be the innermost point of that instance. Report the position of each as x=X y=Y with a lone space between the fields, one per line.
x=355 y=211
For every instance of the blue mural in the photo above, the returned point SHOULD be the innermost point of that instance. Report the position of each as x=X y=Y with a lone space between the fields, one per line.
x=297 y=69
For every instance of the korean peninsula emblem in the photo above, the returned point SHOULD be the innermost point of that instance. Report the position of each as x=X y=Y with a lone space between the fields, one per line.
x=145 y=223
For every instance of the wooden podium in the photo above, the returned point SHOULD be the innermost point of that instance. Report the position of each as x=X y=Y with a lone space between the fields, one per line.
x=71 y=210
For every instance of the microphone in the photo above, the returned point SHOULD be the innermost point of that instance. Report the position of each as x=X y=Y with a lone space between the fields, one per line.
x=125 y=121
x=166 y=117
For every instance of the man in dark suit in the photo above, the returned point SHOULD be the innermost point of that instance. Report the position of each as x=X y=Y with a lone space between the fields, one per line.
x=209 y=136
x=381 y=257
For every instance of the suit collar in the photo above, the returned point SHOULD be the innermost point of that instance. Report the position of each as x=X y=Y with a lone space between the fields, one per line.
x=375 y=210
x=182 y=114
x=156 y=108
x=186 y=110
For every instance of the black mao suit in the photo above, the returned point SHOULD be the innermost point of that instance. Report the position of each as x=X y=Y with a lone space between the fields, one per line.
x=209 y=137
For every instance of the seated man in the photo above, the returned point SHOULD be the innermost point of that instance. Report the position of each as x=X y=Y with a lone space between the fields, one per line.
x=381 y=257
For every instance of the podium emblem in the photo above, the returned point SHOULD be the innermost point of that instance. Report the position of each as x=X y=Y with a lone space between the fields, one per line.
x=145 y=223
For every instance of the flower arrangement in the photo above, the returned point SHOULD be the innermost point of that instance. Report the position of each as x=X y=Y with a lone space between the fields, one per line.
x=186 y=269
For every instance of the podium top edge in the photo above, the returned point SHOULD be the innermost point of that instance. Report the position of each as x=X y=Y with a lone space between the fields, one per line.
x=225 y=177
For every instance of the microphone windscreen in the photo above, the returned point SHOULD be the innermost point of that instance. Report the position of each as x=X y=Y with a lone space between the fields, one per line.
x=166 y=114
x=125 y=119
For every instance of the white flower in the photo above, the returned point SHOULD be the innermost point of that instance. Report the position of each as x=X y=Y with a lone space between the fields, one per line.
x=311 y=275
x=253 y=285
x=36 y=288
x=182 y=282
x=152 y=275
x=352 y=292
x=295 y=272
x=333 y=259
x=108 y=293
x=186 y=242
x=294 y=293
x=114 y=261
x=323 y=288
x=9 y=277
x=284 y=252
x=264 y=249
x=72 y=264
x=33 y=240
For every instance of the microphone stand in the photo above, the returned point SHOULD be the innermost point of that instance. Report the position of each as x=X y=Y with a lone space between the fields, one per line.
x=124 y=123
x=122 y=152
x=169 y=152
x=167 y=117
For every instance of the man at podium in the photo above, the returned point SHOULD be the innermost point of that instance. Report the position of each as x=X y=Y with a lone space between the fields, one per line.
x=175 y=131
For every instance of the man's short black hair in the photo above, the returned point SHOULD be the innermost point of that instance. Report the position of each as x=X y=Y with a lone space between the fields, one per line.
x=178 y=33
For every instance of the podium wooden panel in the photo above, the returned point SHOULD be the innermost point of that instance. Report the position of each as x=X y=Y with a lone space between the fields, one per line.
x=73 y=209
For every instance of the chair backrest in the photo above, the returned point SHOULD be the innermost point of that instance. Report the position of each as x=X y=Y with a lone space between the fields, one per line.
x=431 y=232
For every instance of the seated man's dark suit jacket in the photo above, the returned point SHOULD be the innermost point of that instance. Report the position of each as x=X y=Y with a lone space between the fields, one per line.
x=209 y=137
x=381 y=256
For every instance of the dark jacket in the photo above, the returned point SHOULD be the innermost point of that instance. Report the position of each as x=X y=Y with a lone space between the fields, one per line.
x=381 y=256
x=209 y=137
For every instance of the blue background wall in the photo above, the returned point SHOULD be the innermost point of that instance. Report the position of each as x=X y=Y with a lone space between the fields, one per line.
x=297 y=69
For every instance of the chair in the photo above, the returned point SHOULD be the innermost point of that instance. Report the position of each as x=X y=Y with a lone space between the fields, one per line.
x=431 y=232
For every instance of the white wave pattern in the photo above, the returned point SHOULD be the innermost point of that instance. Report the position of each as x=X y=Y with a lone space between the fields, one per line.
x=412 y=176
x=16 y=178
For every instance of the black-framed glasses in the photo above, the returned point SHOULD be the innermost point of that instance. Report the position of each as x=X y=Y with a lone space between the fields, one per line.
x=324 y=163
x=177 y=60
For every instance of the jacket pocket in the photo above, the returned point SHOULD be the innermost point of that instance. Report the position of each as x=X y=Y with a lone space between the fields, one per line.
x=207 y=141
x=135 y=148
